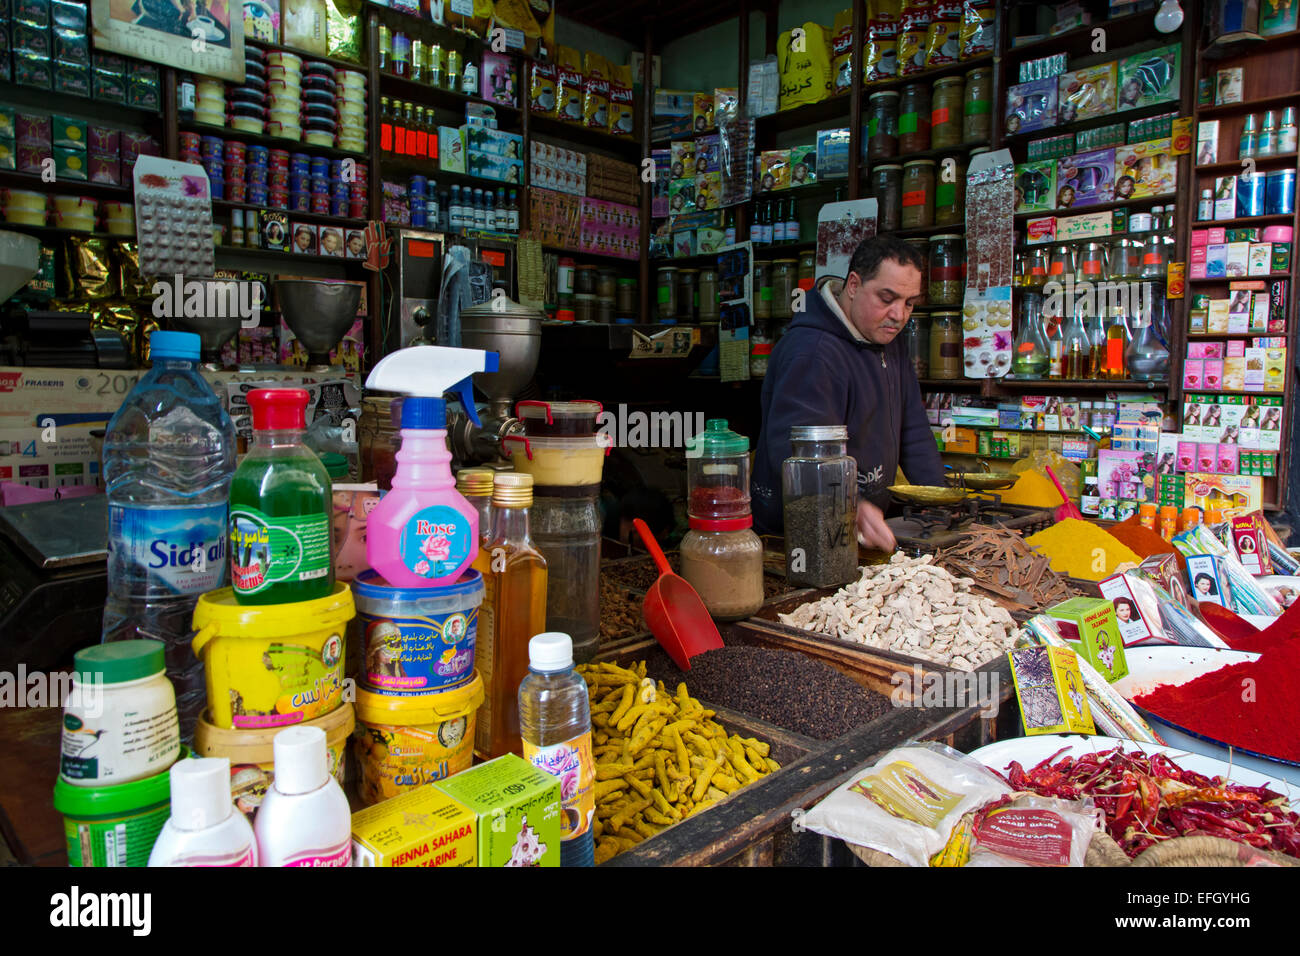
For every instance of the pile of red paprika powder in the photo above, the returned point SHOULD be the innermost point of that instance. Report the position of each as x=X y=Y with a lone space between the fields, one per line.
x=1250 y=705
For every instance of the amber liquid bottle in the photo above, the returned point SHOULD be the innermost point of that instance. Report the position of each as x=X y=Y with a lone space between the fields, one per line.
x=512 y=612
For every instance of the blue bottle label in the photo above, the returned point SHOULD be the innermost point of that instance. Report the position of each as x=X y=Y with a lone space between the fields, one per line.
x=435 y=542
x=182 y=549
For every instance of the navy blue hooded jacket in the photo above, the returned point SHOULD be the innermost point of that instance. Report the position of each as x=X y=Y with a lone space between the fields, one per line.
x=819 y=374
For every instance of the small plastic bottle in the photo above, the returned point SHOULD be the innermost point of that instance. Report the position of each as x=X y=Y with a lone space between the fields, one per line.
x=1205 y=208
x=204 y=829
x=304 y=819
x=555 y=724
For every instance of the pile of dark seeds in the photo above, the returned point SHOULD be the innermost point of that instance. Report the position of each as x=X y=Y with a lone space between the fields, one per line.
x=782 y=687
x=641 y=573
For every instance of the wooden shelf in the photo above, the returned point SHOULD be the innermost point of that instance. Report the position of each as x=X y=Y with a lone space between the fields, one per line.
x=1099 y=207
x=1217 y=279
x=99 y=111
x=293 y=214
x=1120 y=32
x=274 y=255
x=430 y=170
x=1234 y=165
x=1093 y=122
x=939 y=384
x=14 y=179
x=1248 y=106
x=957 y=228
x=570 y=133
x=1234 y=391
x=274 y=142
x=425 y=94
x=55 y=232
x=1247 y=45
x=603 y=256
x=1228 y=335
x=1243 y=221
x=1084 y=385
x=938 y=152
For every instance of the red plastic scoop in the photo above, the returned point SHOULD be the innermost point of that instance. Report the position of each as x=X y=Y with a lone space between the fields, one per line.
x=677 y=617
x=1067 y=510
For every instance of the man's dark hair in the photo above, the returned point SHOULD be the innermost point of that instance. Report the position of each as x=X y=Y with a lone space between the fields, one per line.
x=870 y=253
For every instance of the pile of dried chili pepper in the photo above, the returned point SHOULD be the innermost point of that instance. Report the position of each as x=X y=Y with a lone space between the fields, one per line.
x=1148 y=798
x=1250 y=705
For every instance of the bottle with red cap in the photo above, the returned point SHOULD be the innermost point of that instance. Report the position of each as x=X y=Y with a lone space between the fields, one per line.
x=280 y=508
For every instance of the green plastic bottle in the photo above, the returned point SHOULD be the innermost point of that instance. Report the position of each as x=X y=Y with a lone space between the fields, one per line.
x=280 y=508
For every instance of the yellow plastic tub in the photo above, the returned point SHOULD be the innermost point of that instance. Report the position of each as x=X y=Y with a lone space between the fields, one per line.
x=271 y=665
x=252 y=762
x=405 y=742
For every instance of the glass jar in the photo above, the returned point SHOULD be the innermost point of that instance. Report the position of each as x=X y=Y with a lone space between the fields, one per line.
x=760 y=352
x=625 y=297
x=950 y=191
x=807 y=271
x=725 y=566
x=566 y=531
x=922 y=247
x=882 y=125
x=1031 y=356
x=717 y=473
x=667 y=293
x=785 y=274
x=584 y=308
x=708 y=296
x=1126 y=258
x=819 y=489
x=917 y=336
x=947 y=105
x=584 y=280
x=914 y=118
x=945 y=345
x=1092 y=262
x=762 y=289
x=687 y=294
x=606 y=284
x=887 y=188
x=947 y=280
x=977 y=112
x=918 y=194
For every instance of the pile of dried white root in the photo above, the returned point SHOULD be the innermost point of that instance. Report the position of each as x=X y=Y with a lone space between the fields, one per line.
x=915 y=608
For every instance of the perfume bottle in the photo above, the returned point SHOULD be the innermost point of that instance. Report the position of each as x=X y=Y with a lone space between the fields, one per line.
x=1031 y=355
x=1146 y=358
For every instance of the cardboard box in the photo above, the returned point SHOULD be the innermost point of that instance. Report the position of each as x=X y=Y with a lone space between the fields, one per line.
x=1137 y=617
x=1086 y=179
x=1091 y=627
x=1143 y=170
x=451 y=149
x=1049 y=689
x=1150 y=77
x=1234 y=494
x=1086 y=93
x=422 y=827
x=1208 y=581
x=1251 y=543
x=1031 y=106
x=518 y=810
x=1088 y=226
x=1225 y=198
x=1035 y=186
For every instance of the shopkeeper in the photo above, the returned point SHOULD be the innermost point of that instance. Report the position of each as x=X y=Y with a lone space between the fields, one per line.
x=841 y=362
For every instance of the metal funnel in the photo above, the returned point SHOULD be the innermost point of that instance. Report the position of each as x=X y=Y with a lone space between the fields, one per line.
x=318 y=313
x=514 y=332
x=20 y=255
x=214 y=331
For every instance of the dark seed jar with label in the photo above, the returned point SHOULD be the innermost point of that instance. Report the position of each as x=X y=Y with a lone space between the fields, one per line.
x=887 y=188
x=947 y=270
x=918 y=194
x=977 y=116
x=882 y=125
x=914 y=118
x=945 y=345
x=819 y=485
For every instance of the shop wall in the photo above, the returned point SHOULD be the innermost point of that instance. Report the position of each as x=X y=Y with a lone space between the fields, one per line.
x=584 y=38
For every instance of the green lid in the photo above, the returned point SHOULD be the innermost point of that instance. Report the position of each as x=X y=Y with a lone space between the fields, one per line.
x=335 y=464
x=119 y=661
x=88 y=802
x=717 y=441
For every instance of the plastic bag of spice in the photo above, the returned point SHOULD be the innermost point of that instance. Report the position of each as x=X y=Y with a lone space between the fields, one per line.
x=1034 y=831
x=907 y=803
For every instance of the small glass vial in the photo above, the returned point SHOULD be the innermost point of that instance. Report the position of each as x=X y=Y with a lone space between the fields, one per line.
x=237 y=227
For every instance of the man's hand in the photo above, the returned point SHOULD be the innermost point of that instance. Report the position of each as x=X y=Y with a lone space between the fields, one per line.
x=872 y=530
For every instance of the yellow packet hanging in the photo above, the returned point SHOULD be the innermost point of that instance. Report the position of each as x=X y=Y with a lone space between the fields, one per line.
x=542 y=88
x=568 y=87
x=842 y=52
x=942 y=43
x=911 y=52
x=805 y=72
x=976 y=30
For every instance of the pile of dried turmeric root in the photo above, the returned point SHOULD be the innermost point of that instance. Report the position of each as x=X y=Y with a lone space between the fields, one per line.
x=660 y=757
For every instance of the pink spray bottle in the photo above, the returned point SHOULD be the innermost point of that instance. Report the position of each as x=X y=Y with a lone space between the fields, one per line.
x=423 y=533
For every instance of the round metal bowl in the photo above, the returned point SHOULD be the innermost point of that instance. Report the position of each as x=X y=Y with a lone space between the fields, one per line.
x=927 y=494
x=984 y=480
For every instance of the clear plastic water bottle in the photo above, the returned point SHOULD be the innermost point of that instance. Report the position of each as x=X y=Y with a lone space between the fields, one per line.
x=169 y=454
x=555 y=723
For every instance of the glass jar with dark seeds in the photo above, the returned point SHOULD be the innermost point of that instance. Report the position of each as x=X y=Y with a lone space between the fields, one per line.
x=820 y=495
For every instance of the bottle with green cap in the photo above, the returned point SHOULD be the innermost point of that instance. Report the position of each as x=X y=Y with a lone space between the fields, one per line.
x=717 y=473
x=119 y=720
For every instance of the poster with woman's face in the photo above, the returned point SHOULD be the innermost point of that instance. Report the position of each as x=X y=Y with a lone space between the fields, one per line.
x=199 y=36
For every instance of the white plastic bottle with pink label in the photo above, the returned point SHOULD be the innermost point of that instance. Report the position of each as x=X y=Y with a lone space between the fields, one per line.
x=203 y=829
x=304 y=819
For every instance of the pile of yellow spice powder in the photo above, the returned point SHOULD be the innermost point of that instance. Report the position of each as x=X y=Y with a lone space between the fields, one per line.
x=1080 y=549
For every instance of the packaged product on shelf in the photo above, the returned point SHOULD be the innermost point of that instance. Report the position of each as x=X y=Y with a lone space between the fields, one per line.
x=543 y=88
x=726 y=102
x=622 y=113
x=518 y=811
x=1150 y=77
x=681 y=196
x=1093 y=628
x=832 y=159
x=1031 y=106
x=942 y=44
x=595 y=103
x=421 y=827
x=880 y=53
x=497 y=79
x=568 y=89
x=911 y=51
x=774 y=169
x=978 y=28
x=1086 y=93
x=1049 y=688
x=1143 y=170
x=805 y=74
x=803 y=165
x=1085 y=179
x=1036 y=186
x=841 y=55
x=708 y=191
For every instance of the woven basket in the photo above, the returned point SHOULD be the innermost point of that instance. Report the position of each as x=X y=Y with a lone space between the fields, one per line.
x=1209 y=851
x=1102 y=851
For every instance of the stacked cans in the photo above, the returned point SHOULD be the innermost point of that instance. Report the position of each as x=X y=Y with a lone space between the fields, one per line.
x=284 y=95
x=320 y=113
x=246 y=104
x=351 y=91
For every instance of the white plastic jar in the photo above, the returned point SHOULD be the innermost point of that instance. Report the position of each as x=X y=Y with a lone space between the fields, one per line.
x=119 y=721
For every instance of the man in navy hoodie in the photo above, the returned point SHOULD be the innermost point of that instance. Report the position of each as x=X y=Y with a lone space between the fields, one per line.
x=840 y=363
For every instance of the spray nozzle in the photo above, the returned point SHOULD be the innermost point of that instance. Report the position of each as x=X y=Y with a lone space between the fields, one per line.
x=427 y=373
